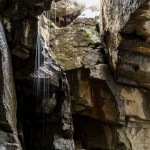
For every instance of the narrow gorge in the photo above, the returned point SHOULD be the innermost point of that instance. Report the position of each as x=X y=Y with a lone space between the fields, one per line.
x=75 y=75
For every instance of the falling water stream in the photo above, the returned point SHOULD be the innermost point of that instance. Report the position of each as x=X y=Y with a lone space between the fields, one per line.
x=55 y=16
x=42 y=73
x=41 y=80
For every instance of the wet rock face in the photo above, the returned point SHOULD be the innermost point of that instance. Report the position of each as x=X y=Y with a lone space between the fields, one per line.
x=92 y=97
x=118 y=13
x=46 y=116
x=129 y=54
x=3 y=4
x=78 y=44
x=20 y=21
x=43 y=97
x=8 y=141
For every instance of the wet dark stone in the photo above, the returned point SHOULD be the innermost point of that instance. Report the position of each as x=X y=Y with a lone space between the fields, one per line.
x=3 y=4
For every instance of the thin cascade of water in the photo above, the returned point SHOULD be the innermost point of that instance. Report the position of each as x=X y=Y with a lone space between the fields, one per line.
x=41 y=80
x=38 y=61
x=55 y=16
x=37 y=76
x=47 y=14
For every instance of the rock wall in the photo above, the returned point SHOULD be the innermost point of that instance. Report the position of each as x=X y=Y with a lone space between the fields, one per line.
x=43 y=118
x=125 y=30
x=80 y=59
x=107 y=66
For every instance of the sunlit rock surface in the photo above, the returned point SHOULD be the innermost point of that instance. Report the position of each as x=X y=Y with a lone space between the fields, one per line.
x=77 y=44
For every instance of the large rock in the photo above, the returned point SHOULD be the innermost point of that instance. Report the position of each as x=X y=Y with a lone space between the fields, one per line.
x=64 y=12
x=110 y=86
x=66 y=8
x=77 y=44
x=21 y=28
x=127 y=41
x=8 y=102
x=92 y=97
x=127 y=49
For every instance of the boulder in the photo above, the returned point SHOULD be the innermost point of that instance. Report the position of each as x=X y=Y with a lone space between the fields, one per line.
x=8 y=102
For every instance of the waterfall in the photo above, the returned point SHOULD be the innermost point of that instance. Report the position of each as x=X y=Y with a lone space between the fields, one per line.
x=41 y=80
x=51 y=88
x=55 y=16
